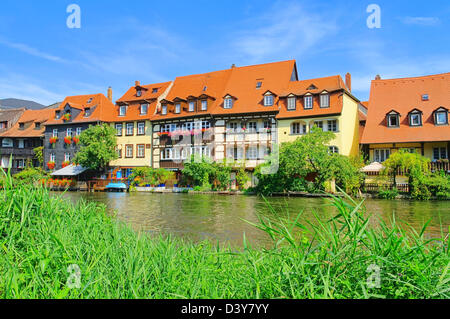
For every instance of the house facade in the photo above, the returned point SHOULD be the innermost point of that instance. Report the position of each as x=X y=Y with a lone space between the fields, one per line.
x=68 y=121
x=410 y=114
x=323 y=102
x=19 y=141
x=131 y=120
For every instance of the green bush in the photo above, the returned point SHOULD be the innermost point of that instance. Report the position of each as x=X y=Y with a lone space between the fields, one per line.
x=388 y=193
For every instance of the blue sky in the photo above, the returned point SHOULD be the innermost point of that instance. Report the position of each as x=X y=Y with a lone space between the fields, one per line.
x=153 y=41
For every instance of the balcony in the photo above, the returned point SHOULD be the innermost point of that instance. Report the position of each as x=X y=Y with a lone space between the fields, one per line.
x=169 y=164
x=16 y=151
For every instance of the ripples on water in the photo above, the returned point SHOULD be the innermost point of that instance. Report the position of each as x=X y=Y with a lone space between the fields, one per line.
x=222 y=218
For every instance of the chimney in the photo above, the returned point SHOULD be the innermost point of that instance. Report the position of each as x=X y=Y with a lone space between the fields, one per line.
x=348 y=81
x=137 y=83
x=110 y=94
x=378 y=77
x=233 y=66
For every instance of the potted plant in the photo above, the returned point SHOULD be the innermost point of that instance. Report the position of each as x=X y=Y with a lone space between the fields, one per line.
x=68 y=140
x=65 y=164
x=51 y=165
x=66 y=117
x=76 y=140
x=53 y=140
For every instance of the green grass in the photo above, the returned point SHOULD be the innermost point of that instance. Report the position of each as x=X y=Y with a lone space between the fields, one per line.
x=42 y=235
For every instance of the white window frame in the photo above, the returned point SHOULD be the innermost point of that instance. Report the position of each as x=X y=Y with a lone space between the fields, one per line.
x=324 y=100
x=78 y=131
x=417 y=116
x=397 y=119
x=252 y=153
x=142 y=108
x=122 y=110
x=442 y=153
x=52 y=157
x=291 y=103
x=252 y=127
x=141 y=128
x=444 y=114
x=381 y=154
x=128 y=126
x=55 y=132
x=119 y=129
x=66 y=157
x=128 y=147
x=5 y=142
x=178 y=108
x=308 y=102
x=228 y=104
x=164 y=109
x=191 y=106
x=334 y=123
x=69 y=132
x=204 y=105
x=140 y=150
x=269 y=100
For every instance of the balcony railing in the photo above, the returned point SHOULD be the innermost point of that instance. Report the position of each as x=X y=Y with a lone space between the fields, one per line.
x=17 y=151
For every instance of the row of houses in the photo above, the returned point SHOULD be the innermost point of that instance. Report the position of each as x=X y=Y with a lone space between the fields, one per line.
x=238 y=114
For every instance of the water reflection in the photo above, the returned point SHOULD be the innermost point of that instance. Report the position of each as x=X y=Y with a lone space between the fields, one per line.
x=222 y=218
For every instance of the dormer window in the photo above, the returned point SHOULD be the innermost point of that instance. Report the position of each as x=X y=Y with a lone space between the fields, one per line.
x=415 y=118
x=268 y=100
x=177 y=108
x=324 y=99
x=90 y=100
x=164 y=110
x=441 y=116
x=57 y=114
x=37 y=125
x=87 y=112
x=393 y=119
x=21 y=126
x=122 y=110
x=308 y=102
x=425 y=97
x=204 y=105
x=191 y=106
x=155 y=90
x=291 y=103
x=138 y=92
x=228 y=103
x=144 y=109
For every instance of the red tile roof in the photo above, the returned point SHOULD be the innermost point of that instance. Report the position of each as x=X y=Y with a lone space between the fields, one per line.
x=334 y=85
x=101 y=108
x=404 y=95
x=133 y=102
x=29 y=118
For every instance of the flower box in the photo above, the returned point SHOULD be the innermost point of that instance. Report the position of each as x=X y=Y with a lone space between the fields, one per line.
x=66 y=117
x=68 y=140
x=65 y=164
x=51 y=165
x=76 y=140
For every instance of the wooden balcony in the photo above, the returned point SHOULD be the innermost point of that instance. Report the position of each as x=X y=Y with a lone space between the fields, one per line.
x=169 y=164
x=16 y=151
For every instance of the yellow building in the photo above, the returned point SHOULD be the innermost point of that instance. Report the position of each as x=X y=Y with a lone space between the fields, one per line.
x=323 y=102
x=132 y=124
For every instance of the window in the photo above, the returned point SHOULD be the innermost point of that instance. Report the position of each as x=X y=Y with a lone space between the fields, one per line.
x=21 y=126
x=119 y=152
x=21 y=143
x=319 y=124
x=69 y=132
x=441 y=117
x=140 y=151
x=166 y=154
x=37 y=125
x=7 y=142
x=52 y=157
x=119 y=129
x=206 y=124
x=78 y=131
x=308 y=102
x=128 y=151
x=258 y=84
x=87 y=112
x=232 y=127
x=122 y=110
x=266 y=125
x=55 y=132
x=228 y=103
x=235 y=153
x=164 y=110
x=130 y=129
x=251 y=127
x=204 y=105
x=268 y=100
x=141 y=128
x=332 y=126
x=333 y=150
x=138 y=92
x=425 y=97
x=292 y=101
x=58 y=114
x=415 y=119
x=155 y=90
x=144 y=109
x=252 y=153
x=177 y=108
x=380 y=155
x=298 y=128
x=439 y=153
x=66 y=157
x=325 y=100
x=20 y=163
x=393 y=120
x=191 y=106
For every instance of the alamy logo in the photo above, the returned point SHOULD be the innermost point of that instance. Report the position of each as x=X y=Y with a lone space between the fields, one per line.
x=74 y=19
x=374 y=19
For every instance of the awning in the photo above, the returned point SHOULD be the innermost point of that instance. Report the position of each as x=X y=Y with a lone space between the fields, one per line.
x=373 y=167
x=70 y=170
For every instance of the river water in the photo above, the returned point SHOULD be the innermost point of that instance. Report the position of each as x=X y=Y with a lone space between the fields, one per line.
x=223 y=218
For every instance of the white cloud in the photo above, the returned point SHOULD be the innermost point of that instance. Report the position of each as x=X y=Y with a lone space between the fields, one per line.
x=30 y=50
x=425 y=21
x=287 y=30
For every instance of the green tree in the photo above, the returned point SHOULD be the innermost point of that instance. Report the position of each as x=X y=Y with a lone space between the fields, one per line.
x=98 y=147
x=413 y=164
x=39 y=154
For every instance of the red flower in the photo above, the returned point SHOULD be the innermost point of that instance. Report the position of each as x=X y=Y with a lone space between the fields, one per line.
x=65 y=164
x=68 y=140
x=66 y=117
x=53 y=139
x=51 y=165
x=76 y=140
